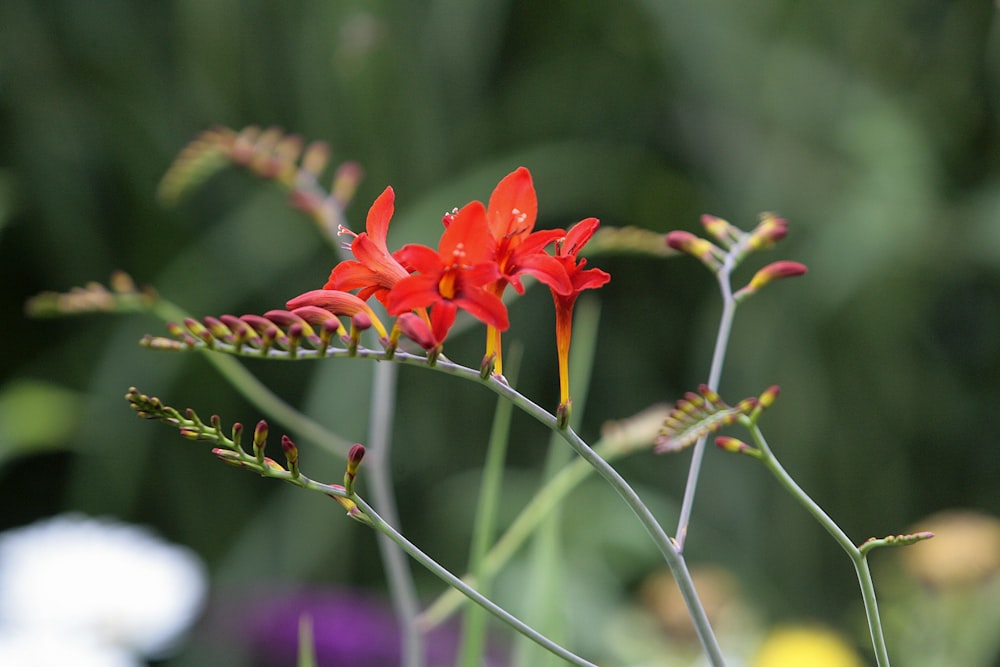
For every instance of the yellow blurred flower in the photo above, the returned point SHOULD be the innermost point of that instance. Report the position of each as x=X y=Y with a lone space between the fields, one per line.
x=805 y=646
x=965 y=550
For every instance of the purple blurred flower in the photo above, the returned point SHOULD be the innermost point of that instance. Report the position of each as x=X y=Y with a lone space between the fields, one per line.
x=350 y=629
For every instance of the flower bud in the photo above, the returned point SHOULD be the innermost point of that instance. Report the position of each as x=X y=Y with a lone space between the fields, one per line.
x=720 y=229
x=229 y=457
x=345 y=183
x=416 y=329
x=260 y=439
x=770 y=273
x=237 y=435
x=770 y=395
x=354 y=458
x=769 y=231
x=736 y=446
x=696 y=246
x=315 y=157
x=291 y=455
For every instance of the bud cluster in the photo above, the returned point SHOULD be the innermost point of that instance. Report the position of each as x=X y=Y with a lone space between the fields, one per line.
x=697 y=415
x=734 y=245
x=271 y=154
x=894 y=540
x=276 y=332
x=122 y=297
x=229 y=448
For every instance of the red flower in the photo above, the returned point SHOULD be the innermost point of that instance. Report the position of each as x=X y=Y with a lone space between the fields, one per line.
x=580 y=279
x=451 y=277
x=376 y=271
x=517 y=250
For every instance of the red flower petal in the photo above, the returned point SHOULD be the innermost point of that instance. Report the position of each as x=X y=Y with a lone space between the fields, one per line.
x=485 y=307
x=546 y=269
x=417 y=291
x=513 y=205
x=377 y=223
x=467 y=239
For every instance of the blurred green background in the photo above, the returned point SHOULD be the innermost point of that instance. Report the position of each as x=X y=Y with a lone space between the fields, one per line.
x=872 y=127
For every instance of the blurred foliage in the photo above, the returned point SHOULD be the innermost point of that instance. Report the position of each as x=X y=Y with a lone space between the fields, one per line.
x=873 y=127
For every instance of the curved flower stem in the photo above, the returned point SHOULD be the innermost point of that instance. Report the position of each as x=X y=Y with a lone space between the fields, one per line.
x=858 y=558
x=362 y=512
x=714 y=375
x=540 y=506
x=434 y=567
x=667 y=547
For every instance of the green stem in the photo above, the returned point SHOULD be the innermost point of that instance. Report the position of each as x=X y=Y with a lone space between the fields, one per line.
x=667 y=547
x=435 y=568
x=540 y=506
x=364 y=513
x=484 y=524
x=858 y=558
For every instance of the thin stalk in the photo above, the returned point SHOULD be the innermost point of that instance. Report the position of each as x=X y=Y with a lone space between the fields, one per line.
x=667 y=547
x=362 y=512
x=714 y=375
x=537 y=509
x=546 y=574
x=402 y=589
x=435 y=568
x=858 y=558
x=484 y=524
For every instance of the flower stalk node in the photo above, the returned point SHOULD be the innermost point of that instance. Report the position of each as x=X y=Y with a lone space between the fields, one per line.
x=487 y=366
x=563 y=413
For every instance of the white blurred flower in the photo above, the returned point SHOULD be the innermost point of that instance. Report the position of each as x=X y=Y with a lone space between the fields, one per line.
x=101 y=582
x=40 y=648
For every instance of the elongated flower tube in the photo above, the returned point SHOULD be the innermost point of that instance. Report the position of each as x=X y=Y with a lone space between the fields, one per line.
x=517 y=249
x=580 y=279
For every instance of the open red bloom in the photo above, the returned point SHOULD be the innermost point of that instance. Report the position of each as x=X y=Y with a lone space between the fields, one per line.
x=453 y=276
x=580 y=279
x=518 y=250
x=375 y=271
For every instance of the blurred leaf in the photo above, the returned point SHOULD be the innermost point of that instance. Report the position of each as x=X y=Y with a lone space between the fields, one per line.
x=8 y=199
x=36 y=416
